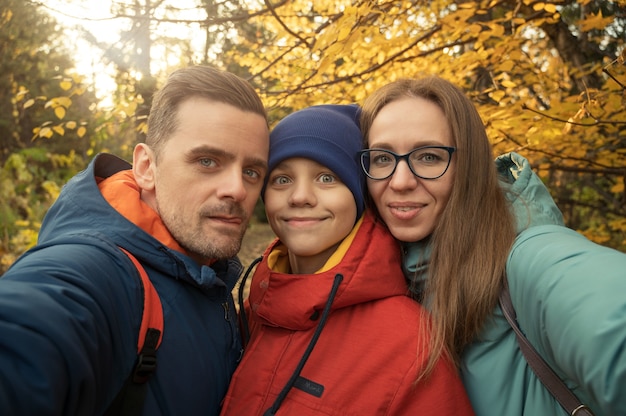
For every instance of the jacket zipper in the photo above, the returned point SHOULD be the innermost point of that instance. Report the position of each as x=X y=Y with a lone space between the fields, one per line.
x=233 y=329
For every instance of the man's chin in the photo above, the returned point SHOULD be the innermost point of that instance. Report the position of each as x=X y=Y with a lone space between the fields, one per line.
x=221 y=248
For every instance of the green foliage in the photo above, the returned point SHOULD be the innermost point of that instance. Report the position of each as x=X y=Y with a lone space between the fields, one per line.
x=44 y=117
x=30 y=181
x=33 y=54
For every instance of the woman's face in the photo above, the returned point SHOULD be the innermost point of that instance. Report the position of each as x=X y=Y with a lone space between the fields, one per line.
x=410 y=206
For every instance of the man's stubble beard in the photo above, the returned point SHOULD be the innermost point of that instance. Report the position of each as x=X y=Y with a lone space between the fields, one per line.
x=205 y=244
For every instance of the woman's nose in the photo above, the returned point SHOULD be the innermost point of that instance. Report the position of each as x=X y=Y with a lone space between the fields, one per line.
x=403 y=178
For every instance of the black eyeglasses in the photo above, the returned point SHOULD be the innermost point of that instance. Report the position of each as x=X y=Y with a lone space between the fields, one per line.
x=428 y=162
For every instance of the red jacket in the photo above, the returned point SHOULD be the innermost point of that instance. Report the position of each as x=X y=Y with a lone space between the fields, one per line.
x=366 y=358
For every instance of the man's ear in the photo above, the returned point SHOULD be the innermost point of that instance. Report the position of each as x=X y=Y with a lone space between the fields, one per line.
x=144 y=166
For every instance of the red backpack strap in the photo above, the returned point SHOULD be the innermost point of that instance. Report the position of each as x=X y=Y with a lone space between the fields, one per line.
x=152 y=309
x=129 y=400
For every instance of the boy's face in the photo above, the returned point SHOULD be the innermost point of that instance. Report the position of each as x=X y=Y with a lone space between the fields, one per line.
x=310 y=210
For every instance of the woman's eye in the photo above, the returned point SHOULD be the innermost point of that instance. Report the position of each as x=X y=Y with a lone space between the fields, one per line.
x=431 y=157
x=381 y=159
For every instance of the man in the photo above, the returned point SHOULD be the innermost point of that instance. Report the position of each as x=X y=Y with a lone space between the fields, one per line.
x=71 y=308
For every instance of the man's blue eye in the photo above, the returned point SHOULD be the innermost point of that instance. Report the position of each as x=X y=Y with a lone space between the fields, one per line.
x=207 y=162
x=251 y=173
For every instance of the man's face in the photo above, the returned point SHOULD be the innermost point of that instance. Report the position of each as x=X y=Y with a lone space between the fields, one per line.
x=208 y=177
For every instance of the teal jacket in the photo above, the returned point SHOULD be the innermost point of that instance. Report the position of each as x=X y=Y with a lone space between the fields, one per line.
x=570 y=299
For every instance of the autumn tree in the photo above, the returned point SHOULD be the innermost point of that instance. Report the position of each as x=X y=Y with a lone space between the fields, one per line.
x=534 y=69
x=34 y=70
x=40 y=99
x=547 y=77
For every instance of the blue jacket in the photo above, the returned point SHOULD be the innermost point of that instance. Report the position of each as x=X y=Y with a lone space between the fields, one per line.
x=70 y=311
x=570 y=299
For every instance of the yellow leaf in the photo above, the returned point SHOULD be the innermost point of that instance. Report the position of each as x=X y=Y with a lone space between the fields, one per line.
x=508 y=84
x=70 y=124
x=29 y=103
x=497 y=95
x=380 y=58
x=59 y=112
x=55 y=102
x=539 y=6
x=21 y=93
x=344 y=32
x=595 y=22
x=64 y=101
x=81 y=131
x=497 y=30
x=475 y=28
x=506 y=66
x=333 y=51
x=65 y=85
x=618 y=188
x=46 y=132
x=59 y=130
x=7 y=16
x=550 y=8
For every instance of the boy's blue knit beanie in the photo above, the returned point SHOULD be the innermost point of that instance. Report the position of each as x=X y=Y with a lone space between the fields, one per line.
x=327 y=134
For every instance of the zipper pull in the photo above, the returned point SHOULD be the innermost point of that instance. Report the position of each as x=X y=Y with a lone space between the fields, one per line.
x=226 y=311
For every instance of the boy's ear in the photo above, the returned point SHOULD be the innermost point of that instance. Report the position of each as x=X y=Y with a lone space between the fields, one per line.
x=144 y=166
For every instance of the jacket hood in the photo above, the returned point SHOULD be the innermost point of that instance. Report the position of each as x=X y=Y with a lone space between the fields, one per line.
x=81 y=208
x=294 y=301
x=531 y=202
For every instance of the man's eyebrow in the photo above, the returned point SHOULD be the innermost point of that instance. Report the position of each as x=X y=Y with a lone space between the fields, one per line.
x=208 y=150
x=257 y=162
x=205 y=150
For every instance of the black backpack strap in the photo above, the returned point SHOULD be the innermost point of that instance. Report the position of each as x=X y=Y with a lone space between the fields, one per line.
x=566 y=398
x=243 y=318
x=129 y=401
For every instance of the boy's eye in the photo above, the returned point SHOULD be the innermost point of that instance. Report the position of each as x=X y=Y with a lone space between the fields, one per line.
x=280 y=180
x=327 y=178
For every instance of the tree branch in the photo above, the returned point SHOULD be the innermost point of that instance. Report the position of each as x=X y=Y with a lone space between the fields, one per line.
x=574 y=123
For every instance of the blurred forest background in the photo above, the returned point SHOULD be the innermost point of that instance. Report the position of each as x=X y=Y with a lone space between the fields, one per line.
x=77 y=77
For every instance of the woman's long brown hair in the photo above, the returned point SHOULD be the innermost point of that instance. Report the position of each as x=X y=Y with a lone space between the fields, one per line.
x=471 y=242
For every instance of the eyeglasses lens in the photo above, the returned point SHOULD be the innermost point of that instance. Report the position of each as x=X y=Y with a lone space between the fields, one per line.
x=425 y=162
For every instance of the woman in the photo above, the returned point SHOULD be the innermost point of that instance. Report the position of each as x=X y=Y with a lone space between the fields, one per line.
x=464 y=226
